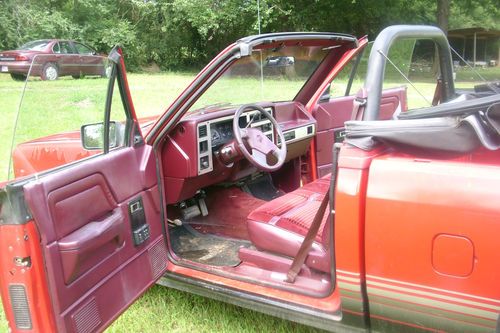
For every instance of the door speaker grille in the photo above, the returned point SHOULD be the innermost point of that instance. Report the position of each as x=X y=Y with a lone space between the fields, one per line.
x=87 y=318
x=158 y=259
x=20 y=306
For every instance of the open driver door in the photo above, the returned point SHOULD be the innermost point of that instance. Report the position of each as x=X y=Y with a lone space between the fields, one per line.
x=80 y=243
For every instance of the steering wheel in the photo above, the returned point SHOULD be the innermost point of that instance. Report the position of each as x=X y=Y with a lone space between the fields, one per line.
x=255 y=145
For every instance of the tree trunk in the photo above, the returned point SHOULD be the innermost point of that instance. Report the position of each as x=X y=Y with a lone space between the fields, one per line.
x=443 y=11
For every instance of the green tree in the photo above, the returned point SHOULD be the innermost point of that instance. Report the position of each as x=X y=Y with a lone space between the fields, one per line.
x=188 y=33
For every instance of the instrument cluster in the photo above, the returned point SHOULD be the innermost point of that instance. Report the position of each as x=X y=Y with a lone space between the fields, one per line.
x=221 y=132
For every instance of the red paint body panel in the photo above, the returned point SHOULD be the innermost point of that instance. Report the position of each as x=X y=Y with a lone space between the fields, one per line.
x=55 y=150
x=419 y=200
x=411 y=202
x=453 y=255
x=22 y=241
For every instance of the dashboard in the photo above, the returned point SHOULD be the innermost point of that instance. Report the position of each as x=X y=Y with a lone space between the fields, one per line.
x=190 y=154
x=214 y=133
x=221 y=131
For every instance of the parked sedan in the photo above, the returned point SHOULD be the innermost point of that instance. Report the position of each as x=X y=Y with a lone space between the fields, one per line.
x=52 y=58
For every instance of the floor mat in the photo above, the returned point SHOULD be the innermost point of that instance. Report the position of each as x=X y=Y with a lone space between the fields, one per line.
x=189 y=244
x=228 y=209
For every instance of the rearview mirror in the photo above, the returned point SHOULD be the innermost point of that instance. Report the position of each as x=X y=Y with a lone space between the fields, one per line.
x=92 y=135
x=279 y=61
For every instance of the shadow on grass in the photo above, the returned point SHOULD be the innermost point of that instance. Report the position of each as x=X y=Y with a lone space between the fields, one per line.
x=163 y=309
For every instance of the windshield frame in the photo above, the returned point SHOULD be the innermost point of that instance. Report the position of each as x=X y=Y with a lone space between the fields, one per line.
x=219 y=64
x=257 y=78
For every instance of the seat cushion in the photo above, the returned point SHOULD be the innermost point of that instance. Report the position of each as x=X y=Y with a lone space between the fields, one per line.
x=280 y=225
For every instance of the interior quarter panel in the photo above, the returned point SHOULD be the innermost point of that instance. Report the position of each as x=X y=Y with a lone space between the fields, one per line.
x=332 y=115
x=94 y=270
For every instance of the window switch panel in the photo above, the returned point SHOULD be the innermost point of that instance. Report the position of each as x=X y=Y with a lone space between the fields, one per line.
x=141 y=234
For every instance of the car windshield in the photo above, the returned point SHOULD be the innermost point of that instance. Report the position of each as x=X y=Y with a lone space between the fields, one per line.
x=36 y=45
x=275 y=74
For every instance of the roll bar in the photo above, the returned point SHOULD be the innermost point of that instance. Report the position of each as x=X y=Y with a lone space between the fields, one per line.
x=376 y=62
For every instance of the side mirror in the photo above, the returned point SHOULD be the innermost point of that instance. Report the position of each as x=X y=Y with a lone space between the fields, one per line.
x=92 y=135
x=325 y=97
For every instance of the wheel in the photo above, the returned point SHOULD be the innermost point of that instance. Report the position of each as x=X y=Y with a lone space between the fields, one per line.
x=18 y=77
x=50 y=72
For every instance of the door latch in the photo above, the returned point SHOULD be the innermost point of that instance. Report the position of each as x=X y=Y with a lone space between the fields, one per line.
x=22 y=262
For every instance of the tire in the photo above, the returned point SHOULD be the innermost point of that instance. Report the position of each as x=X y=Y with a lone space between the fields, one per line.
x=18 y=77
x=50 y=72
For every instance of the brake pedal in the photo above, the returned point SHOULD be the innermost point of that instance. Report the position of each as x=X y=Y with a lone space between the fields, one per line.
x=203 y=207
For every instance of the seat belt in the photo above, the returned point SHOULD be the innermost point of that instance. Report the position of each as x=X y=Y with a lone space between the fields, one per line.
x=358 y=107
x=358 y=104
x=305 y=247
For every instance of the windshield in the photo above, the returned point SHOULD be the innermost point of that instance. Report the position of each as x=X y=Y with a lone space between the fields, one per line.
x=273 y=75
x=36 y=45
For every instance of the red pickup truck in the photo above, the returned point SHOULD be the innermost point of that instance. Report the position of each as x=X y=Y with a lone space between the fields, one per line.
x=347 y=214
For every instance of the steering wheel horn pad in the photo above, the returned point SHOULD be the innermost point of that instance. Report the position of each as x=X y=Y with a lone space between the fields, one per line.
x=255 y=146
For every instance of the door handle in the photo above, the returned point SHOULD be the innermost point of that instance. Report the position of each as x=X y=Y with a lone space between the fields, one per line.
x=76 y=246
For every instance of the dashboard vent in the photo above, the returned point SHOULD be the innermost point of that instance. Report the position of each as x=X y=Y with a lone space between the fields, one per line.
x=202 y=131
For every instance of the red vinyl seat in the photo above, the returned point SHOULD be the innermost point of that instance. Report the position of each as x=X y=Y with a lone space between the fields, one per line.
x=279 y=226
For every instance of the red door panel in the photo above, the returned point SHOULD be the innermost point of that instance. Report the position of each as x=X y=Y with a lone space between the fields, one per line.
x=432 y=241
x=332 y=115
x=83 y=215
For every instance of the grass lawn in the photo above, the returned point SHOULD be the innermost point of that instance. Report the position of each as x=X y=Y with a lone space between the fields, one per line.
x=160 y=309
